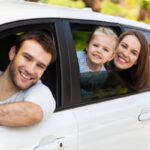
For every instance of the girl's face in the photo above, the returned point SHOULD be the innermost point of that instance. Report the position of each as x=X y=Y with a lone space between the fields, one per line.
x=101 y=49
x=127 y=52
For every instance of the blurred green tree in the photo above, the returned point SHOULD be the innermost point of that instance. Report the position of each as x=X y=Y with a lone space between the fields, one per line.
x=120 y=9
x=67 y=3
x=32 y=0
x=144 y=13
x=139 y=9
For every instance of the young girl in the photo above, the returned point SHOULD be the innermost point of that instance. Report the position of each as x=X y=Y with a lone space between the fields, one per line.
x=99 y=50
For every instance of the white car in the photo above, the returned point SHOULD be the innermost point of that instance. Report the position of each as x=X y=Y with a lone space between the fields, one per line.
x=106 y=121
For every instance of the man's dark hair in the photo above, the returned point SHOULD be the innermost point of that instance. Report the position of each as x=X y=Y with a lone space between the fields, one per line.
x=42 y=37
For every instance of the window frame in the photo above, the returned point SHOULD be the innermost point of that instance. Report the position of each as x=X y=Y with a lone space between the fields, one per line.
x=7 y=29
x=144 y=31
x=68 y=75
x=76 y=72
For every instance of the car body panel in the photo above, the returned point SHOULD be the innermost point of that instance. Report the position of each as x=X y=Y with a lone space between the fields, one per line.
x=61 y=127
x=114 y=124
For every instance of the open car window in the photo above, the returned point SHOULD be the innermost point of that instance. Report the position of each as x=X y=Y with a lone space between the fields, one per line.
x=103 y=85
x=7 y=39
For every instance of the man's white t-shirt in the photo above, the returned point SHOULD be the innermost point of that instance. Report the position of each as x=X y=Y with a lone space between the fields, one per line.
x=38 y=94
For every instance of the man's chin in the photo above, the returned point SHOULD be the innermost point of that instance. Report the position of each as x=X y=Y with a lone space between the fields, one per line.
x=24 y=87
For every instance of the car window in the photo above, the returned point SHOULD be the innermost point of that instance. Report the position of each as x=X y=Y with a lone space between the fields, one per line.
x=145 y=32
x=7 y=38
x=97 y=86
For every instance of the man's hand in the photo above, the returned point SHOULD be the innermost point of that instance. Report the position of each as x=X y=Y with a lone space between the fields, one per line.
x=20 y=114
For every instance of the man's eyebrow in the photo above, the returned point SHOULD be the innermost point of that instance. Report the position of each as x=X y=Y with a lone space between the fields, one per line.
x=27 y=54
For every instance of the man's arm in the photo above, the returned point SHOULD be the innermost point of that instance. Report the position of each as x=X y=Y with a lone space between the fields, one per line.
x=20 y=114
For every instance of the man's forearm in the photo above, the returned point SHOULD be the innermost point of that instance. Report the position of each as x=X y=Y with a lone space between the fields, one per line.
x=20 y=114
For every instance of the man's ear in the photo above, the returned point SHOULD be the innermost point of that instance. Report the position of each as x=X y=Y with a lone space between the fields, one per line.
x=12 y=53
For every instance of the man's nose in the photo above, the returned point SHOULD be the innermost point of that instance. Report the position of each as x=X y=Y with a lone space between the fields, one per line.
x=31 y=67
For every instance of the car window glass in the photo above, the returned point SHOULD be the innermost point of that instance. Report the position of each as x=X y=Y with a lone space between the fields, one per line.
x=145 y=32
x=96 y=86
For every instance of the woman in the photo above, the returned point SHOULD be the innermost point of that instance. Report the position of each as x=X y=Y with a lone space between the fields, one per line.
x=132 y=59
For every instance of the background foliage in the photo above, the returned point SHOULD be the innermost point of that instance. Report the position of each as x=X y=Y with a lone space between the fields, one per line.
x=132 y=9
x=67 y=3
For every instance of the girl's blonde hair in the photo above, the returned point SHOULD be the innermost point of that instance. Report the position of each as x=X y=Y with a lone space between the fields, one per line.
x=104 y=30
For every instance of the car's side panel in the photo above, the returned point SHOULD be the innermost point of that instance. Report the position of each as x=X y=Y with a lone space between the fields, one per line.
x=115 y=125
x=59 y=131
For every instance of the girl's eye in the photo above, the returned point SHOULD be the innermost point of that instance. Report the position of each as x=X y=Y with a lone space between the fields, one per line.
x=123 y=45
x=106 y=50
x=95 y=45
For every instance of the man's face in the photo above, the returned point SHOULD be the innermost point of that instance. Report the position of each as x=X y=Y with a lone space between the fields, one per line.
x=28 y=64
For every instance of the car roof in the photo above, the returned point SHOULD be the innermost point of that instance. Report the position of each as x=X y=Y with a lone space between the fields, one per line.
x=14 y=10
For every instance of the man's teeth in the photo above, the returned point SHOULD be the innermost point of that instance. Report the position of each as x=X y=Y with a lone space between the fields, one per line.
x=26 y=77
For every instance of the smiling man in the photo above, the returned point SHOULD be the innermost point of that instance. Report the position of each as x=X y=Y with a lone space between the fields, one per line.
x=24 y=100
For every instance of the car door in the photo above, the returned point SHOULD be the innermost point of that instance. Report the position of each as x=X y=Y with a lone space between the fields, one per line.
x=59 y=131
x=119 y=123
x=111 y=118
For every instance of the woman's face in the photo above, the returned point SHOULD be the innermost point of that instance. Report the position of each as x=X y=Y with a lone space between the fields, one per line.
x=127 y=52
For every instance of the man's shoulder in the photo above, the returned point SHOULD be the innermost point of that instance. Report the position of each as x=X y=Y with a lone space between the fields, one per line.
x=38 y=87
